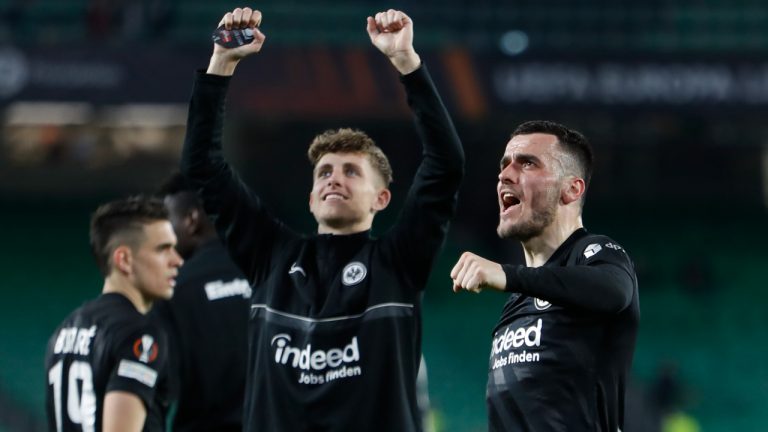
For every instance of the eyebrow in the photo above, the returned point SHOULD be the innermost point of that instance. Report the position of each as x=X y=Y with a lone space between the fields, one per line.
x=520 y=157
x=167 y=245
x=345 y=165
x=322 y=167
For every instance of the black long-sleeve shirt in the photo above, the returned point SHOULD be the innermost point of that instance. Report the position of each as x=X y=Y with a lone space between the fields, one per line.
x=335 y=328
x=206 y=321
x=563 y=347
x=105 y=345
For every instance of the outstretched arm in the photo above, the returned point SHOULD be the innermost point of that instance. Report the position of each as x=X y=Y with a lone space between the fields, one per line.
x=601 y=286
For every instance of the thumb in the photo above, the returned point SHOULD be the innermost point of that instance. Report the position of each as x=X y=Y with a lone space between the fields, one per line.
x=373 y=31
x=258 y=36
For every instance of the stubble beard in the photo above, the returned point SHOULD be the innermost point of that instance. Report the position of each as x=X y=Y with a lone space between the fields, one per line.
x=539 y=221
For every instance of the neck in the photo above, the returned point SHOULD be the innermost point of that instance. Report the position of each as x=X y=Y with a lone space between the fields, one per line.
x=540 y=248
x=345 y=230
x=117 y=283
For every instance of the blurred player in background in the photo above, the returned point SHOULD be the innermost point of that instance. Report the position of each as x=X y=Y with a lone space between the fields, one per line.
x=335 y=336
x=562 y=350
x=106 y=363
x=206 y=320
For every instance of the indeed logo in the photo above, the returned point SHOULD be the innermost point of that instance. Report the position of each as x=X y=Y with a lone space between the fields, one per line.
x=305 y=358
x=530 y=337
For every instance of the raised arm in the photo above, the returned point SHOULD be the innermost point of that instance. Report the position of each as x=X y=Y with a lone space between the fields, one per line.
x=431 y=200
x=237 y=212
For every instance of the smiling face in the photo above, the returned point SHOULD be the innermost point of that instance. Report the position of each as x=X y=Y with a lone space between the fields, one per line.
x=530 y=186
x=346 y=193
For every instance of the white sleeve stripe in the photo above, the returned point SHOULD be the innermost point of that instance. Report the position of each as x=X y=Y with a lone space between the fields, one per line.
x=140 y=372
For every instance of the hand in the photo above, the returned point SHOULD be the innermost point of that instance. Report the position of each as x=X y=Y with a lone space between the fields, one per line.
x=475 y=273
x=224 y=60
x=392 y=33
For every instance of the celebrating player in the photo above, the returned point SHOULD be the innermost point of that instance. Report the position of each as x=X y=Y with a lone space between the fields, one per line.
x=335 y=317
x=562 y=349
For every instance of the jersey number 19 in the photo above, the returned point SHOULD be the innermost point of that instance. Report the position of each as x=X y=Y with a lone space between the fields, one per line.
x=80 y=399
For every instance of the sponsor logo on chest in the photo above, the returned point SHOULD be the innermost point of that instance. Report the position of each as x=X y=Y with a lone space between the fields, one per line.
x=504 y=350
x=317 y=366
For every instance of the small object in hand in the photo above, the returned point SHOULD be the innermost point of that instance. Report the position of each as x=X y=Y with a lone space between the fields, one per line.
x=232 y=38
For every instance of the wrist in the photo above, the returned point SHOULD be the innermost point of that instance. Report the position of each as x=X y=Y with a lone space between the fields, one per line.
x=406 y=62
x=222 y=65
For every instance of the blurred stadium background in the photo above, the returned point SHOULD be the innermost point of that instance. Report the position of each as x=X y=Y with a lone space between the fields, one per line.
x=673 y=94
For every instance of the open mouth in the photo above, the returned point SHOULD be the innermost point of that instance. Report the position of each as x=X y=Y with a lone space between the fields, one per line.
x=509 y=200
x=333 y=196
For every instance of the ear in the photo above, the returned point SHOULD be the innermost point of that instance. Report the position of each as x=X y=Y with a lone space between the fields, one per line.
x=573 y=189
x=192 y=221
x=382 y=200
x=122 y=259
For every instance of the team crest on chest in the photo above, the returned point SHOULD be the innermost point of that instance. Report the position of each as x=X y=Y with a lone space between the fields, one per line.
x=353 y=273
x=541 y=304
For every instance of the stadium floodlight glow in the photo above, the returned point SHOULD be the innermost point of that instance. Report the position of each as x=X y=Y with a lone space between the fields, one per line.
x=513 y=42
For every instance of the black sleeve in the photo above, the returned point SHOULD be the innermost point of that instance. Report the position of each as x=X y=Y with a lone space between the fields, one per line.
x=431 y=200
x=603 y=283
x=240 y=217
x=141 y=361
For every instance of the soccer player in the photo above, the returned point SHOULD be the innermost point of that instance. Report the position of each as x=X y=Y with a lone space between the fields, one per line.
x=335 y=330
x=563 y=346
x=106 y=362
x=206 y=320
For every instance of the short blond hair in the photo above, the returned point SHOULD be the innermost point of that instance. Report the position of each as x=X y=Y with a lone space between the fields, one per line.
x=346 y=140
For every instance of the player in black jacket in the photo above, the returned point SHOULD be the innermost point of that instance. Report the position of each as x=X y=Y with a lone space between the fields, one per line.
x=563 y=347
x=106 y=363
x=206 y=320
x=335 y=330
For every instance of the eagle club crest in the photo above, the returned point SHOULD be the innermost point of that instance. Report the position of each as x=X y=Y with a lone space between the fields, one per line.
x=353 y=273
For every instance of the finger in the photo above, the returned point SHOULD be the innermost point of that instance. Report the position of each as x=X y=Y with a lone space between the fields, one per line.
x=473 y=282
x=371 y=27
x=237 y=18
x=226 y=21
x=456 y=287
x=246 y=19
x=457 y=267
x=464 y=276
x=466 y=259
x=404 y=18
x=380 y=21
x=256 y=18
x=461 y=271
x=398 y=20
x=391 y=18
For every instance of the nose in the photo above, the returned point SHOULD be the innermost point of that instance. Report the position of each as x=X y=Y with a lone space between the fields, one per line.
x=508 y=174
x=333 y=178
x=177 y=260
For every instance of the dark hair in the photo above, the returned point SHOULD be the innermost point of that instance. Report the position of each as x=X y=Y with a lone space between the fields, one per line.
x=121 y=222
x=347 y=140
x=574 y=143
x=182 y=189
